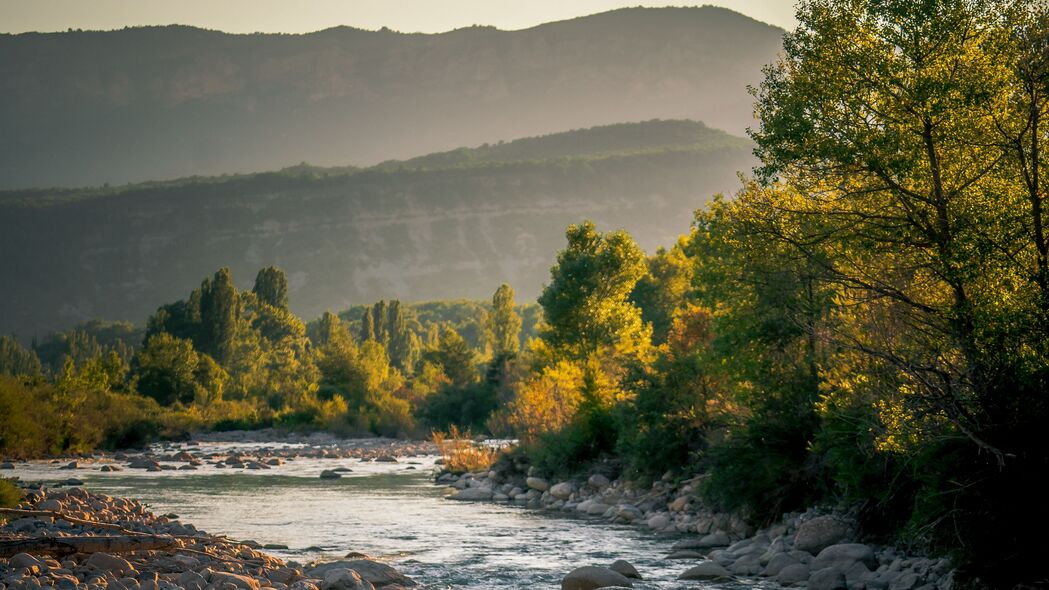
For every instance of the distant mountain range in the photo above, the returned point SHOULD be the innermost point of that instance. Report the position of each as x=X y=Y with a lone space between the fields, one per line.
x=448 y=225
x=86 y=108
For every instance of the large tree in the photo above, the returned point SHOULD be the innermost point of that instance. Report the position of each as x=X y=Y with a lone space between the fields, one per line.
x=586 y=305
x=504 y=323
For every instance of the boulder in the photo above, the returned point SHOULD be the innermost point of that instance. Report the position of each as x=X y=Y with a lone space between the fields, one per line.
x=222 y=578
x=110 y=563
x=830 y=578
x=793 y=574
x=379 y=574
x=658 y=522
x=537 y=483
x=778 y=563
x=715 y=539
x=598 y=481
x=843 y=555
x=21 y=560
x=592 y=577
x=562 y=491
x=341 y=578
x=330 y=474
x=473 y=495
x=7 y=465
x=708 y=570
x=819 y=533
x=625 y=568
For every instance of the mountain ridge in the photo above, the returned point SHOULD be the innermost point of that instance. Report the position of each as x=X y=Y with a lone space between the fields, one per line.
x=166 y=102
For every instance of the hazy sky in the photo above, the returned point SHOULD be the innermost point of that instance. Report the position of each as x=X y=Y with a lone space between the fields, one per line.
x=291 y=16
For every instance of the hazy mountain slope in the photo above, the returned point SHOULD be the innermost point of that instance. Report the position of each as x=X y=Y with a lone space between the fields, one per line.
x=349 y=236
x=149 y=103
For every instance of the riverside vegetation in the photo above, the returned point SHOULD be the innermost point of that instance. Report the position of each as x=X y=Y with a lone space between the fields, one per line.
x=863 y=326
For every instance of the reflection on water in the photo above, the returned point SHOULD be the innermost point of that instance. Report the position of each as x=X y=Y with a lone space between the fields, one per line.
x=390 y=511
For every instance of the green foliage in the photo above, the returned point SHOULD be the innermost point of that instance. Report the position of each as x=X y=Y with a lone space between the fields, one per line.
x=271 y=287
x=504 y=323
x=167 y=369
x=455 y=357
x=16 y=360
x=10 y=494
x=586 y=304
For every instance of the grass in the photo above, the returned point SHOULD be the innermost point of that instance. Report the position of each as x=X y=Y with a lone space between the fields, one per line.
x=461 y=454
x=10 y=495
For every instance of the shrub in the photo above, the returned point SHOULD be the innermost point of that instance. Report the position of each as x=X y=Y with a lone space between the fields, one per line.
x=461 y=453
x=10 y=494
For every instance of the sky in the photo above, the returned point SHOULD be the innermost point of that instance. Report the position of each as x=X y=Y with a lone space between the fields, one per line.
x=303 y=16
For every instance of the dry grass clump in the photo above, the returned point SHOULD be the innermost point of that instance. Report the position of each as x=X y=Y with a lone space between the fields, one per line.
x=461 y=453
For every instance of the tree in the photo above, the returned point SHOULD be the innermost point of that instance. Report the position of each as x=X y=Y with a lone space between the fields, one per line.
x=586 y=304
x=455 y=357
x=504 y=323
x=271 y=287
x=166 y=370
x=901 y=150
x=367 y=326
x=16 y=360
x=220 y=316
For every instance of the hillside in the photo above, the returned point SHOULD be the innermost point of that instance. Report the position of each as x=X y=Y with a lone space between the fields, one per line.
x=84 y=107
x=444 y=226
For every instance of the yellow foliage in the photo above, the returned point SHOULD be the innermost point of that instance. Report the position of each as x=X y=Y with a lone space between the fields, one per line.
x=461 y=454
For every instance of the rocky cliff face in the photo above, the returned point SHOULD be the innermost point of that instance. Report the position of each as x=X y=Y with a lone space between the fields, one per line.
x=343 y=237
x=163 y=102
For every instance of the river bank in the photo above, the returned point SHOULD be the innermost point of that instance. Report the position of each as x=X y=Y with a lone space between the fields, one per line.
x=819 y=549
x=57 y=540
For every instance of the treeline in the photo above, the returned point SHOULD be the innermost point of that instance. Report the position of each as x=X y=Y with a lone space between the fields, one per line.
x=224 y=358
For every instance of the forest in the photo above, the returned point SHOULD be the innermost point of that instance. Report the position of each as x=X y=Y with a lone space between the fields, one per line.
x=865 y=322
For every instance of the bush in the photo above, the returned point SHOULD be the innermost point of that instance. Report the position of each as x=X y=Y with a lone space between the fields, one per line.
x=10 y=494
x=467 y=407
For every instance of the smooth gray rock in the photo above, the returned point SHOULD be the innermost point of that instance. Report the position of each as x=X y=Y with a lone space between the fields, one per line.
x=708 y=570
x=843 y=555
x=598 y=481
x=819 y=533
x=330 y=474
x=793 y=574
x=537 y=483
x=110 y=563
x=377 y=573
x=344 y=579
x=625 y=568
x=592 y=577
x=473 y=495
x=827 y=579
x=777 y=563
x=562 y=491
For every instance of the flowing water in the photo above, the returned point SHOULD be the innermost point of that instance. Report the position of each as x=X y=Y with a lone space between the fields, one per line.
x=392 y=512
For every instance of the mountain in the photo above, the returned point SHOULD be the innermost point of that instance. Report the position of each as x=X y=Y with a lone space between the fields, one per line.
x=444 y=226
x=91 y=107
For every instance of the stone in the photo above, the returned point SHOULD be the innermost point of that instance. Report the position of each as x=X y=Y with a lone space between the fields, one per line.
x=330 y=474
x=562 y=491
x=221 y=578
x=21 y=560
x=625 y=569
x=344 y=579
x=110 y=563
x=598 y=481
x=708 y=570
x=778 y=563
x=592 y=577
x=819 y=533
x=597 y=509
x=715 y=539
x=843 y=555
x=829 y=578
x=686 y=554
x=658 y=522
x=7 y=465
x=907 y=581
x=473 y=495
x=190 y=577
x=793 y=574
x=379 y=574
x=537 y=483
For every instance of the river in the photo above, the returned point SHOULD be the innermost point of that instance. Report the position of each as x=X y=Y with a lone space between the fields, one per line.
x=392 y=512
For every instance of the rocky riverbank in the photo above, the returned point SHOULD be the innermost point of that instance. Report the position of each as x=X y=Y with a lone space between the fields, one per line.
x=818 y=549
x=252 y=450
x=56 y=540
